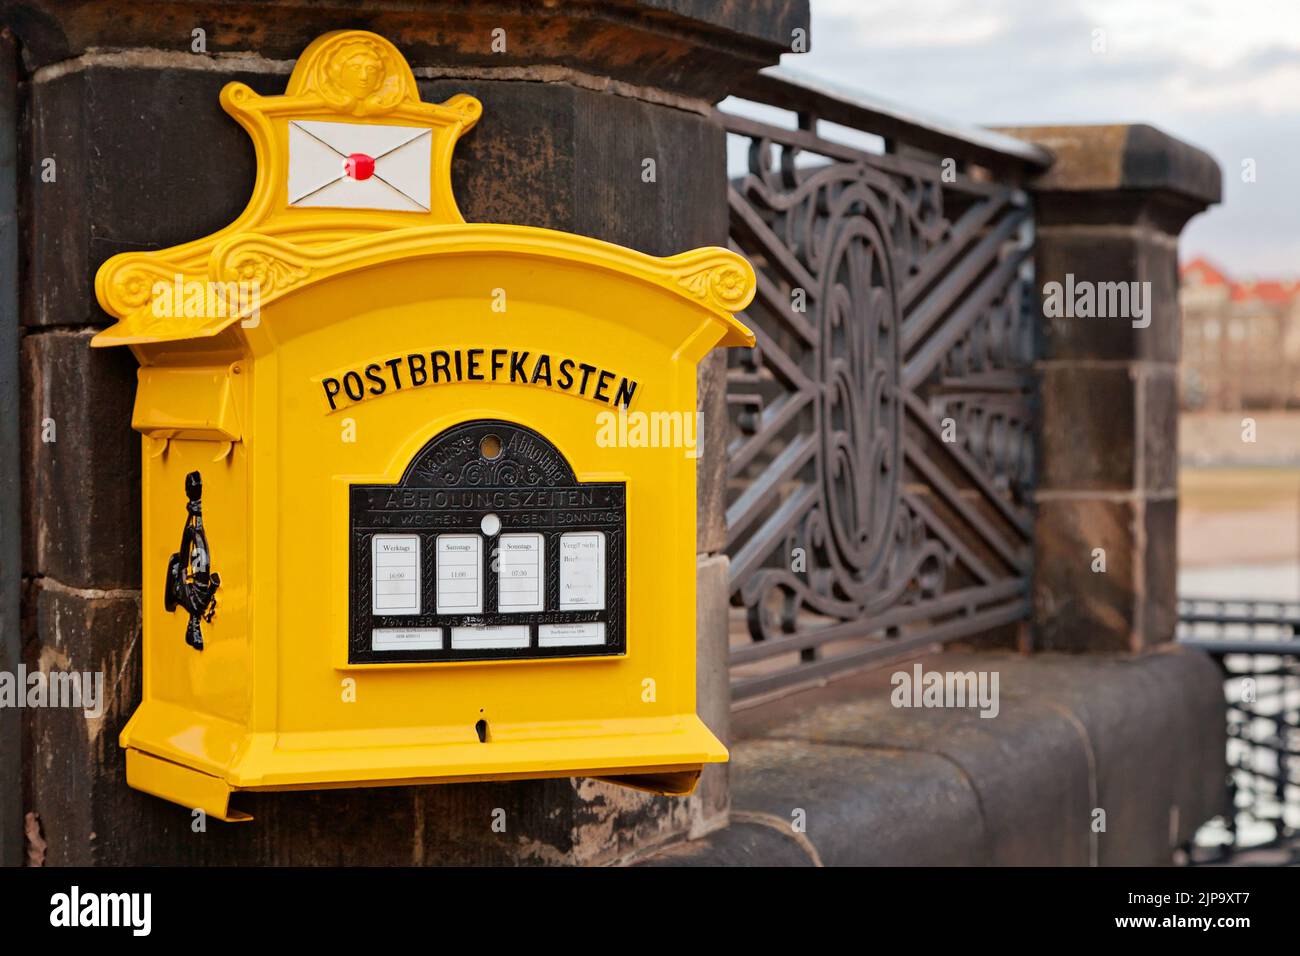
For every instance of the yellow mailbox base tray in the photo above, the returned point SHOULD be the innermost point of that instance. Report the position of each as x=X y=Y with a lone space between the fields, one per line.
x=663 y=755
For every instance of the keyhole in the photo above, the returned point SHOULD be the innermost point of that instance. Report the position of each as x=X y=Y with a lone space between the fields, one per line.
x=481 y=729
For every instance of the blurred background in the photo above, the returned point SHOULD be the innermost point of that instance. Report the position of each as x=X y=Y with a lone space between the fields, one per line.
x=1225 y=74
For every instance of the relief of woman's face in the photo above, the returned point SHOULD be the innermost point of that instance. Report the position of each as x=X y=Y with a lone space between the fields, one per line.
x=359 y=75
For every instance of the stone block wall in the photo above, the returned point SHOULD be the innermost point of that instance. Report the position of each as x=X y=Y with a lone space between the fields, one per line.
x=580 y=95
x=1110 y=210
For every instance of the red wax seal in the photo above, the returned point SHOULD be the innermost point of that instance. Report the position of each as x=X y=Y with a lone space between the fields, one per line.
x=359 y=166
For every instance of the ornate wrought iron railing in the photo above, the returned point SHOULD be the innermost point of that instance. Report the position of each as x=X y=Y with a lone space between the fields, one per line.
x=1257 y=643
x=881 y=450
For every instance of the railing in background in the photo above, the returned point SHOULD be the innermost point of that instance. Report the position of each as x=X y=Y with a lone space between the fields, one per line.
x=881 y=453
x=1257 y=643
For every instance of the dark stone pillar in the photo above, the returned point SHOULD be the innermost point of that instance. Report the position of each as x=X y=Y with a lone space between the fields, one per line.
x=580 y=96
x=1109 y=211
x=11 y=777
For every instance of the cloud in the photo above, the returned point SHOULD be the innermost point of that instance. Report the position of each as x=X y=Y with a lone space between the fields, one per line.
x=1271 y=92
x=1209 y=34
x=1222 y=74
x=904 y=24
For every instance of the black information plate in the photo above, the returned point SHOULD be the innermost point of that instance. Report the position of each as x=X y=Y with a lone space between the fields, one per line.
x=488 y=548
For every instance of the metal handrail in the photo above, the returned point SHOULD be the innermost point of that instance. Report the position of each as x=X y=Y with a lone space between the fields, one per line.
x=1259 y=641
x=793 y=90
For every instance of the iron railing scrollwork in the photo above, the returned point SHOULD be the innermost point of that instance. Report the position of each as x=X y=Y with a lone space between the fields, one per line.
x=1257 y=644
x=881 y=455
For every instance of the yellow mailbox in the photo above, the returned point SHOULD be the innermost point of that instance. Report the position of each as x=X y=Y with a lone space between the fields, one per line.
x=408 y=514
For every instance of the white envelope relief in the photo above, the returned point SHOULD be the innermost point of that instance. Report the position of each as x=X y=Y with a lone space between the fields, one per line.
x=354 y=166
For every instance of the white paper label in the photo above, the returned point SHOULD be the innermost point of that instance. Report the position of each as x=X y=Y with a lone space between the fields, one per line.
x=519 y=577
x=460 y=578
x=406 y=639
x=582 y=571
x=319 y=176
x=570 y=635
x=395 y=574
x=478 y=638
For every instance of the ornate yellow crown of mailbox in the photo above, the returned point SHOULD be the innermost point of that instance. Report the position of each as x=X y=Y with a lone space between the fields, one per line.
x=393 y=531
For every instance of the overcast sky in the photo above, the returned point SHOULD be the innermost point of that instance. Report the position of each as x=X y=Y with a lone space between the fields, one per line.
x=1221 y=74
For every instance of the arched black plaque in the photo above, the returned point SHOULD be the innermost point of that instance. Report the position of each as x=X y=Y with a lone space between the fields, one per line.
x=401 y=534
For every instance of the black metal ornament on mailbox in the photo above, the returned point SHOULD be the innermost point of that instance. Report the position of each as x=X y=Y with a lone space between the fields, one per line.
x=191 y=582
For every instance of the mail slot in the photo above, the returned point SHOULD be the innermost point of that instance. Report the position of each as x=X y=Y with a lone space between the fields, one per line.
x=395 y=530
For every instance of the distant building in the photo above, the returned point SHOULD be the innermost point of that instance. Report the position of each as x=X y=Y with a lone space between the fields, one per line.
x=1241 y=341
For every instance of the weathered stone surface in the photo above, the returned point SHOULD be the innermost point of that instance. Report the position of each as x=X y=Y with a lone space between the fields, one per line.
x=1111 y=254
x=82 y=488
x=128 y=146
x=1129 y=606
x=546 y=822
x=1088 y=437
x=554 y=155
x=1158 y=429
x=1141 y=738
x=862 y=806
x=70 y=754
x=12 y=850
x=1158 y=610
x=1132 y=157
x=1026 y=763
x=695 y=47
x=1156 y=726
x=1111 y=427
x=711 y=800
x=743 y=843
x=711 y=466
x=1075 y=607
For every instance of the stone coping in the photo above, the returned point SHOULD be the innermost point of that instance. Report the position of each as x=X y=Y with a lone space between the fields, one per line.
x=1123 y=157
x=1141 y=738
x=694 y=47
